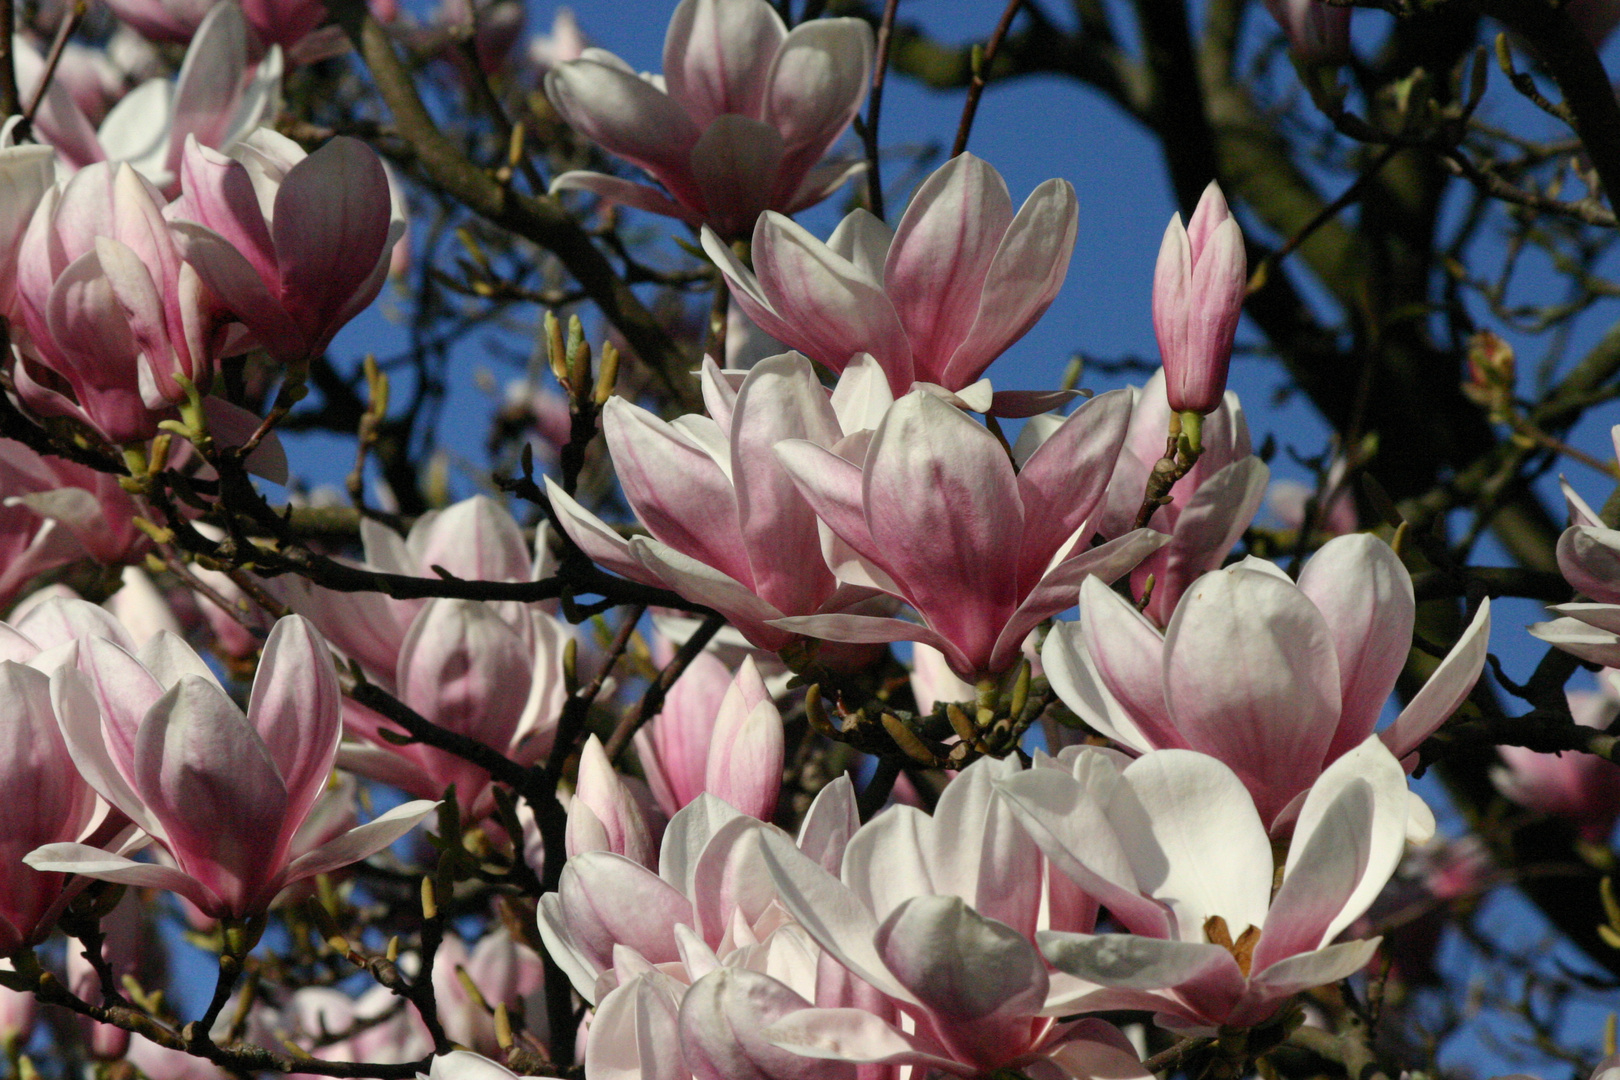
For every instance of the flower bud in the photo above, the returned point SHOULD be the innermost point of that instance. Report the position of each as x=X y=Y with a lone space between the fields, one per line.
x=1198 y=290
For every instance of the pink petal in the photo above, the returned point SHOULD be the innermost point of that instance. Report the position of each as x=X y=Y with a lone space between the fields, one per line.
x=296 y=708
x=940 y=256
x=1251 y=677
x=1359 y=585
x=625 y=193
x=627 y=116
x=358 y=843
x=717 y=55
x=1024 y=279
x=1451 y=682
x=1062 y=482
x=817 y=83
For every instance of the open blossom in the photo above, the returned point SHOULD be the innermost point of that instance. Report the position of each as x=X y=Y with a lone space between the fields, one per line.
x=612 y=917
x=1198 y=290
x=224 y=793
x=1177 y=852
x=218 y=97
x=294 y=245
x=113 y=318
x=737 y=124
x=1581 y=788
x=1209 y=508
x=1275 y=679
x=491 y=671
x=931 y=511
x=1589 y=556
x=46 y=802
x=935 y=301
x=939 y=914
x=729 y=527
x=717 y=734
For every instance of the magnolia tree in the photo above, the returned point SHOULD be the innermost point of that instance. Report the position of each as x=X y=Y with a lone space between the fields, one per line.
x=799 y=694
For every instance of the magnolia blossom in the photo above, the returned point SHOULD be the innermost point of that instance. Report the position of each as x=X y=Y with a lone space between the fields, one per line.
x=717 y=734
x=935 y=301
x=1198 y=290
x=113 y=318
x=504 y=971
x=1208 y=509
x=225 y=794
x=46 y=802
x=939 y=915
x=931 y=511
x=1274 y=679
x=1177 y=852
x=1589 y=556
x=738 y=122
x=274 y=22
x=26 y=173
x=1318 y=32
x=1581 y=788
x=604 y=815
x=491 y=671
x=218 y=98
x=729 y=527
x=293 y=245
x=710 y=897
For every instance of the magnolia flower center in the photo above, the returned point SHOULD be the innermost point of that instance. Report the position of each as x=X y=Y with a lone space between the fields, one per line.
x=1242 y=950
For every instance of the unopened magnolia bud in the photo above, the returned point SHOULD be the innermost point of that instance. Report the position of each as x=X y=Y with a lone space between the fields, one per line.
x=1198 y=289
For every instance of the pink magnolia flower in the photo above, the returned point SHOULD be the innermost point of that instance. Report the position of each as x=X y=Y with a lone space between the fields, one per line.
x=464 y=1065
x=932 y=512
x=939 y=915
x=1274 y=679
x=1580 y=788
x=379 y=1029
x=86 y=508
x=709 y=902
x=46 y=803
x=935 y=301
x=1208 y=509
x=565 y=42
x=224 y=793
x=1318 y=32
x=17 y=1013
x=26 y=174
x=729 y=527
x=505 y=971
x=274 y=22
x=489 y=671
x=218 y=97
x=738 y=122
x=294 y=245
x=1175 y=849
x=717 y=734
x=604 y=814
x=112 y=316
x=1589 y=556
x=1198 y=290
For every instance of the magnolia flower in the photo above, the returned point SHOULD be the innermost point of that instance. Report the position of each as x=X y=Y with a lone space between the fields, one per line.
x=464 y=1065
x=293 y=245
x=738 y=122
x=932 y=512
x=26 y=173
x=504 y=971
x=611 y=917
x=218 y=98
x=1208 y=509
x=1198 y=289
x=224 y=793
x=717 y=734
x=729 y=528
x=1177 y=852
x=1274 y=679
x=1581 y=788
x=939 y=915
x=274 y=22
x=1318 y=32
x=46 y=803
x=1589 y=556
x=113 y=317
x=935 y=301
x=492 y=671
x=604 y=814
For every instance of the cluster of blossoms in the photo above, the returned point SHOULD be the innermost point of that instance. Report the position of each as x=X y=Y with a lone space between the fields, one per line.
x=1202 y=844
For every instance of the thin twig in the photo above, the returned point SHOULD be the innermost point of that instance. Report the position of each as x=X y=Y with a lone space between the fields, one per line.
x=970 y=108
x=874 y=110
x=70 y=22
